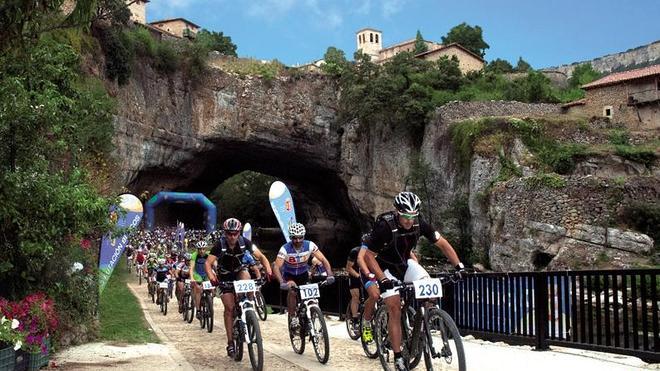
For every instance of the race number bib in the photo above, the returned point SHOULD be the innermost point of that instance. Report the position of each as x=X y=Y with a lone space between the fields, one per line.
x=310 y=291
x=242 y=286
x=187 y=282
x=162 y=285
x=428 y=288
x=206 y=285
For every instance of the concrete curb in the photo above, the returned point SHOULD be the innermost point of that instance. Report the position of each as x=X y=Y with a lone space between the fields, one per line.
x=173 y=352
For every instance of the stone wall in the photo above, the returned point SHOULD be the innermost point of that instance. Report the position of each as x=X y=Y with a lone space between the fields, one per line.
x=611 y=62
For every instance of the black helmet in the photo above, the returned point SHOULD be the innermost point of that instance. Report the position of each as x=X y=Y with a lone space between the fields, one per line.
x=407 y=203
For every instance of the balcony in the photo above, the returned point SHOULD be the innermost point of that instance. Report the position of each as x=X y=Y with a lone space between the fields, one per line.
x=644 y=96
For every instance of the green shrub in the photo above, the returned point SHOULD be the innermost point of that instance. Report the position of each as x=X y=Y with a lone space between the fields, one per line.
x=168 y=58
x=143 y=43
x=643 y=217
x=550 y=180
x=118 y=50
x=619 y=137
x=639 y=154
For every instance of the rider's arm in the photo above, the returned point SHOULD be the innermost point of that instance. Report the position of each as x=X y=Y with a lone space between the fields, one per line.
x=278 y=265
x=448 y=251
x=263 y=259
x=210 y=259
x=368 y=264
x=319 y=255
x=413 y=256
x=350 y=270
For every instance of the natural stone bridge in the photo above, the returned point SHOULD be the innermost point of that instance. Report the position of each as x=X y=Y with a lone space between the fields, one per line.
x=176 y=135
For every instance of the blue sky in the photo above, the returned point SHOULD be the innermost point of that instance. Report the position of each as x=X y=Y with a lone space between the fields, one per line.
x=545 y=33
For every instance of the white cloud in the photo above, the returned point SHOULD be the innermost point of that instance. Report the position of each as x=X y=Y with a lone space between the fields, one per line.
x=391 y=7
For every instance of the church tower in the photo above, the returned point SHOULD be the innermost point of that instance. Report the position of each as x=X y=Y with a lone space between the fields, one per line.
x=370 y=41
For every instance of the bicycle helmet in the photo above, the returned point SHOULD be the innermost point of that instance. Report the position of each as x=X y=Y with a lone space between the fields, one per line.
x=201 y=244
x=161 y=261
x=407 y=203
x=232 y=225
x=296 y=230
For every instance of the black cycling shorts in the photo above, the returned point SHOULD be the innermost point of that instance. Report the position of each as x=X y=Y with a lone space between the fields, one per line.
x=301 y=279
x=228 y=277
x=354 y=283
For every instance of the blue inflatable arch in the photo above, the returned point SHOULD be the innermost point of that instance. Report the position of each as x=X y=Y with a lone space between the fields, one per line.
x=181 y=197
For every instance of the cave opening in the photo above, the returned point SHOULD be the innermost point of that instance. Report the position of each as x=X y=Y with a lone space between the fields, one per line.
x=542 y=260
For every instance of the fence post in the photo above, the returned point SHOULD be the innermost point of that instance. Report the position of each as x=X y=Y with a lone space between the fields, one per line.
x=541 y=310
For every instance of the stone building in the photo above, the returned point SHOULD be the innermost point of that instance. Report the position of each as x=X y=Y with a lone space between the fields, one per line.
x=630 y=97
x=180 y=27
x=138 y=10
x=370 y=41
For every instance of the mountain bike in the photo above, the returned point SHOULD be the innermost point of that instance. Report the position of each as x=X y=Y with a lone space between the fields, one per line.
x=139 y=272
x=152 y=288
x=311 y=322
x=129 y=262
x=260 y=301
x=205 y=314
x=187 y=302
x=163 y=298
x=245 y=324
x=426 y=330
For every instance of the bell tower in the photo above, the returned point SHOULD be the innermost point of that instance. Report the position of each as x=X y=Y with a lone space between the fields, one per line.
x=370 y=41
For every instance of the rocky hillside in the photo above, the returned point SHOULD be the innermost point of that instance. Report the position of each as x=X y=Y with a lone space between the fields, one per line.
x=174 y=134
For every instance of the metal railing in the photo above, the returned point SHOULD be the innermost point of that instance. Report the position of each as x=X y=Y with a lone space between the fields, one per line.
x=612 y=311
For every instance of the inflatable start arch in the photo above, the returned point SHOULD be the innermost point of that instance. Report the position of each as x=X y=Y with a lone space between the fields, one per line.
x=181 y=197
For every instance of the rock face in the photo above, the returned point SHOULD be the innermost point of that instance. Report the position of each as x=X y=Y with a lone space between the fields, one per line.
x=172 y=134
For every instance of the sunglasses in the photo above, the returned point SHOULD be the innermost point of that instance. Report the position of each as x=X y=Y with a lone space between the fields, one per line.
x=231 y=233
x=408 y=216
x=297 y=238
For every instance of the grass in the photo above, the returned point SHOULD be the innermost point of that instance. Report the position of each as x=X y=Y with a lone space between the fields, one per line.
x=120 y=313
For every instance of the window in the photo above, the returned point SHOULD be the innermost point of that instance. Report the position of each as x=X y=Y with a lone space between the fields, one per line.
x=376 y=38
x=371 y=37
x=607 y=111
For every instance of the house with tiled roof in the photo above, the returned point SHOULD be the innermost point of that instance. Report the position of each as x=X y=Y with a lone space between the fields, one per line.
x=630 y=97
x=370 y=41
x=180 y=27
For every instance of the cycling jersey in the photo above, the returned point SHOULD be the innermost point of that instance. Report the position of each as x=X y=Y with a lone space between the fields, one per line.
x=162 y=272
x=393 y=244
x=184 y=271
x=235 y=258
x=295 y=262
x=199 y=268
x=139 y=258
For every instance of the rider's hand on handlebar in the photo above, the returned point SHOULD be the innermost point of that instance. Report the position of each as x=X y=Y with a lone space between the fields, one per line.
x=385 y=284
x=330 y=280
x=460 y=272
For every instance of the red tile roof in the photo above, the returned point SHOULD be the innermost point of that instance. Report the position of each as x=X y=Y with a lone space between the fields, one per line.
x=452 y=45
x=579 y=102
x=618 y=77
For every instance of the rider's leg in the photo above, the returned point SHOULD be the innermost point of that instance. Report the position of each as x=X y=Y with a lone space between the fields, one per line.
x=197 y=294
x=370 y=304
x=179 y=291
x=393 y=304
x=355 y=301
x=228 y=302
x=291 y=302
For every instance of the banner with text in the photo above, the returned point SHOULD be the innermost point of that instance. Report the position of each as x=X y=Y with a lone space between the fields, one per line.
x=113 y=245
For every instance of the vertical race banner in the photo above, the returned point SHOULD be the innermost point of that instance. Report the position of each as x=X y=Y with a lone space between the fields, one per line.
x=112 y=247
x=282 y=205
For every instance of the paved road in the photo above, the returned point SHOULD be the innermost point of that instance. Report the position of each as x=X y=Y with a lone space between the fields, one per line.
x=188 y=347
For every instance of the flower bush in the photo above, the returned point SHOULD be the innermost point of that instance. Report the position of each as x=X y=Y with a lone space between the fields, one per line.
x=35 y=318
x=9 y=333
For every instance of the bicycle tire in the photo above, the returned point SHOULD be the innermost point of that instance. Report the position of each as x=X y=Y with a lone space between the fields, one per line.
x=191 y=309
x=262 y=309
x=322 y=334
x=406 y=339
x=238 y=340
x=140 y=278
x=202 y=312
x=209 y=313
x=383 y=346
x=297 y=337
x=152 y=293
x=448 y=331
x=255 y=347
x=350 y=323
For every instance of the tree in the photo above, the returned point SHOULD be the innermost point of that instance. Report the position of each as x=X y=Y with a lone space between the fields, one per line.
x=216 y=41
x=499 y=66
x=335 y=62
x=420 y=45
x=522 y=66
x=469 y=37
x=583 y=74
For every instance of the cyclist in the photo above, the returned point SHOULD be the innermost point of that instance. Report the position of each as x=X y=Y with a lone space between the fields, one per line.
x=386 y=254
x=161 y=271
x=182 y=273
x=356 y=279
x=230 y=252
x=198 y=269
x=291 y=267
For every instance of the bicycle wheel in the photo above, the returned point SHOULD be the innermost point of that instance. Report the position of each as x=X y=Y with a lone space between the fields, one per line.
x=239 y=327
x=414 y=356
x=370 y=348
x=297 y=336
x=443 y=334
x=152 y=292
x=260 y=304
x=202 y=312
x=383 y=347
x=164 y=302
x=351 y=326
x=140 y=278
x=209 y=313
x=321 y=340
x=255 y=346
x=160 y=300
x=191 y=308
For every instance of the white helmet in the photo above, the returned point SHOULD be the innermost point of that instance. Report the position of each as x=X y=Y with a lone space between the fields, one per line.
x=296 y=230
x=407 y=203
